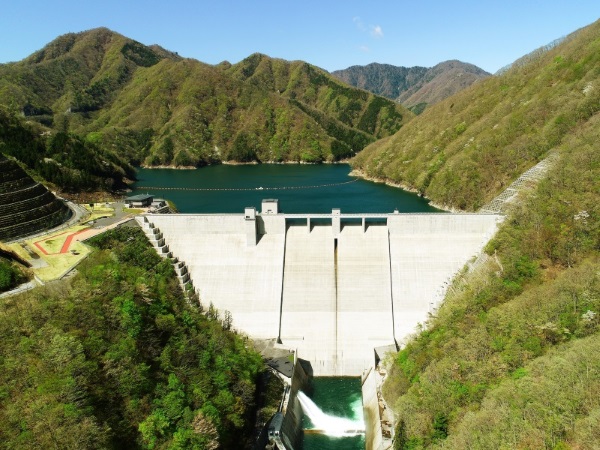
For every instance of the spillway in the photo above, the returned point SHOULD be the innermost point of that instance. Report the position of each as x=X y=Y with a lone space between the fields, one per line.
x=333 y=287
x=308 y=313
x=364 y=317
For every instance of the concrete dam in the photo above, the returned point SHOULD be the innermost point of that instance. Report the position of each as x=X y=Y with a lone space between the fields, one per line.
x=333 y=287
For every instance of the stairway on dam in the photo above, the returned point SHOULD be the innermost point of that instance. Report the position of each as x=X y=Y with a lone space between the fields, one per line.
x=331 y=287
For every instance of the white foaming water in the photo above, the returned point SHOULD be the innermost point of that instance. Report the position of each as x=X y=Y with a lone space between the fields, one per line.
x=332 y=425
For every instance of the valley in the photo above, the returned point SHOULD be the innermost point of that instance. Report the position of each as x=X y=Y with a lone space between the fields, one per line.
x=117 y=355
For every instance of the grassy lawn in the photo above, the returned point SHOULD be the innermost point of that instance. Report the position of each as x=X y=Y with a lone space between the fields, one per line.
x=57 y=263
x=48 y=248
x=134 y=211
x=60 y=263
x=54 y=243
x=100 y=208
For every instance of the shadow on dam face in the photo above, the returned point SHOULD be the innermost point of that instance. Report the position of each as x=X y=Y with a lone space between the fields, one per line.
x=332 y=287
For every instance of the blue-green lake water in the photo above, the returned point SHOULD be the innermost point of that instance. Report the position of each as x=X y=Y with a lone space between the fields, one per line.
x=300 y=189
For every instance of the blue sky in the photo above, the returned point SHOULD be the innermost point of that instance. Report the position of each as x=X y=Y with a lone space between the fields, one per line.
x=330 y=34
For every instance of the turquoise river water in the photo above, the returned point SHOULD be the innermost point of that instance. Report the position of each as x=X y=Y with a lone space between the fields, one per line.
x=300 y=189
x=340 y=397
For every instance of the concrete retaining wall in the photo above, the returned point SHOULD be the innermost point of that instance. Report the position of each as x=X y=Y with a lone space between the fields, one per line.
x=373 y=436
x=292 y=420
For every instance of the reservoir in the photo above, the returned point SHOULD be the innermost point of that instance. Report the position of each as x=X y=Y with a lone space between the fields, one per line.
x=300 y=188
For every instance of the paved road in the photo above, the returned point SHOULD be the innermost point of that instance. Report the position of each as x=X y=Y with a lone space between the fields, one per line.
x=21 y=288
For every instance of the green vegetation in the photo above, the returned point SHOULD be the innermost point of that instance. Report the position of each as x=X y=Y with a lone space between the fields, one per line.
x=116 y=358
x=61 y=158
x=118 y=97
x=511 y=358
x=414 y=87
x=10 y=275
x=463 y=151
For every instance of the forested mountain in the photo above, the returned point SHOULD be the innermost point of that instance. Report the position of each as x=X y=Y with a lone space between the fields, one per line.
x=464 y=150
x=115 y=358
x=382 y=79
x=156 y=108
x=67 y=162
x=511 y=359
x=414 y=87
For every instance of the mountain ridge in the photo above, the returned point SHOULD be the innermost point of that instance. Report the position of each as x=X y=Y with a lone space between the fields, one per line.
x=463 y=150
x=415 y=87
x=510 y=359
x=161 y=109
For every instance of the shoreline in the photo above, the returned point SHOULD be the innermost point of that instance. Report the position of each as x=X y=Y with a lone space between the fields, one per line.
x=360 y=174
x=240 y=163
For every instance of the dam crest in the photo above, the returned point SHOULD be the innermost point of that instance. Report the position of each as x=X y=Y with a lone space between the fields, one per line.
x=337 y=288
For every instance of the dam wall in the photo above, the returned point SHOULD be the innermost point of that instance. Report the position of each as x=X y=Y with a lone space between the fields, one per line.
x=426 y=251
x=333 y=287
x=364 y=306
x=243 y=280
x=308 y=307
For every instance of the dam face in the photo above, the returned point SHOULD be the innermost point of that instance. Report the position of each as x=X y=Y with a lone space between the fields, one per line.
x=334 y=287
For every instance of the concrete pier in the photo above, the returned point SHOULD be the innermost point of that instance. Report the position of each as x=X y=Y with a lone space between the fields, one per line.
x=331 y=286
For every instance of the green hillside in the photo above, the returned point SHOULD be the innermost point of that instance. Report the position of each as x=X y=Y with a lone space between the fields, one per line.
x=66 y=161
x=511 y=360
x=465 y=150
x=155 y=108
x=116 y=358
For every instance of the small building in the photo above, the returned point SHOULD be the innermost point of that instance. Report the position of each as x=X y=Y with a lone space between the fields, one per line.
x=270 y=206
x=159 y=206
x=139 y=201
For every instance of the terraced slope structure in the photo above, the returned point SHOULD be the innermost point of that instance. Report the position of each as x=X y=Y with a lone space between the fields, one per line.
x=26 y=207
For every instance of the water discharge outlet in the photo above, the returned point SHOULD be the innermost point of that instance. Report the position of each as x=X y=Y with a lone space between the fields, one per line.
x=328 y=424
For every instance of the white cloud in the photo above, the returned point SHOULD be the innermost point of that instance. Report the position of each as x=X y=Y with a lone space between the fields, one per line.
x=359 y=24
x=364 y=48
x=376 y=32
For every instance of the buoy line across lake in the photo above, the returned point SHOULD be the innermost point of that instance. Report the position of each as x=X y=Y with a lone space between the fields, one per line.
x=280 y=188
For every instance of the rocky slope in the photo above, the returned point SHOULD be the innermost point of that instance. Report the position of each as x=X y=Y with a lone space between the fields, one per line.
x=414 y=87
